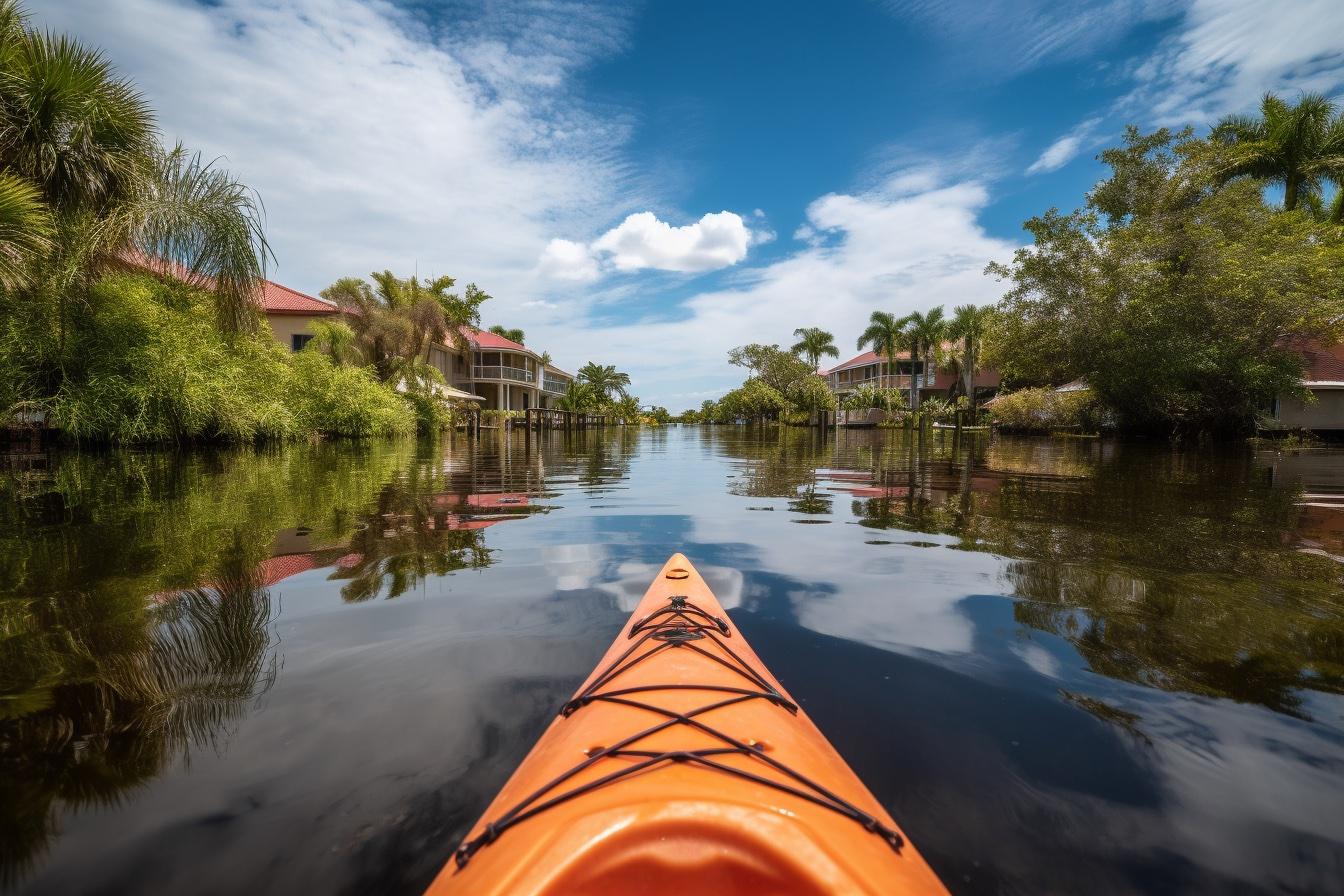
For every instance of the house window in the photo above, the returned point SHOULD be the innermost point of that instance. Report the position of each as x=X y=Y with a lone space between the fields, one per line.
x=299 y=340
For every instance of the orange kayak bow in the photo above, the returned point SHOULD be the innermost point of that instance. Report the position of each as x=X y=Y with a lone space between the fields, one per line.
x=682 y=766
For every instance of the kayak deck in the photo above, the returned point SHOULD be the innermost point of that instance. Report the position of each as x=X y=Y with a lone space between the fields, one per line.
x=681 y=763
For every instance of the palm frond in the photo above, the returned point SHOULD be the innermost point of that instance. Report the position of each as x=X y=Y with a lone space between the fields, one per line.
x=25 y=230
x=200 y=218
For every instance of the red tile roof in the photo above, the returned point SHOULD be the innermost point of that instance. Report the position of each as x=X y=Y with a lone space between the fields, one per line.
x=274 y=298
x=486 y=339
x=865 y=359
x=1324 y=365
x=277 y=299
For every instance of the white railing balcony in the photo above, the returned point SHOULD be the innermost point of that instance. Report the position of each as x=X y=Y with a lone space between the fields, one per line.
x=501 y=372
x=885 y=381
x=554 y=386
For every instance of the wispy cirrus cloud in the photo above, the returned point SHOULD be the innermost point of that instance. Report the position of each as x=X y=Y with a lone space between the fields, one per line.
x=1226 y=54
x=1028 y=33
x=1065 y=149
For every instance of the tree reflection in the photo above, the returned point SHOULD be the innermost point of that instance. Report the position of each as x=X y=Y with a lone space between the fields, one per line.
x=1174 y=571
x=120 y=696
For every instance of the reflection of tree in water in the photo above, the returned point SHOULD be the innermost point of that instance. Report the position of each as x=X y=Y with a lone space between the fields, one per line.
x=121 y=695
x=1170 y=570
x=597 y=457
x=779 y=467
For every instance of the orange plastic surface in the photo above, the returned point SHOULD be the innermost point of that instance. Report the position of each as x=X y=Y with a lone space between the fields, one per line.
x=679 y=828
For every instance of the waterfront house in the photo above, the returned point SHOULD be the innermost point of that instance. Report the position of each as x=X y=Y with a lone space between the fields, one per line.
x=1324 y=378
x=291 y=314
x=502 y=374
x=507 y=375
x=870 y=369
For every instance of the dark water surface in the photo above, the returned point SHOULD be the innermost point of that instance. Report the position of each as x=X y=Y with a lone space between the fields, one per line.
x=1063 y=665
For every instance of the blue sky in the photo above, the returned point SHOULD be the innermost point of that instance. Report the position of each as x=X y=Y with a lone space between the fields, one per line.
x=650 y=184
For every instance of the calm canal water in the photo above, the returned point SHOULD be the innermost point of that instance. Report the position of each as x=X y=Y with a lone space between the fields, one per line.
x=1064 y=666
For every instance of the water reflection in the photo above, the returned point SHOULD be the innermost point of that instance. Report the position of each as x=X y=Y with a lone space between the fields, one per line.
x=1030 y=649
x=101 y=699
x=1166 y=569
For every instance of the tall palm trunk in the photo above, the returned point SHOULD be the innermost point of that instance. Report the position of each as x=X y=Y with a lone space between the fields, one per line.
x=968 y=368
x=1290 y=190
x=914 y=378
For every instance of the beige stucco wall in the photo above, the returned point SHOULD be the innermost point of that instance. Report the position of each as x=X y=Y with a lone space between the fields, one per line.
x=284 y=326
x=1326 y=412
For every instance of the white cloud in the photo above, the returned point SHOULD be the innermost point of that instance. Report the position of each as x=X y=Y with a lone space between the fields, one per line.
x=1227 y=53
x=568 y=260
x=889 y=249
x=717 y=240
x=643 y=241
x=373 y=143
x=1028 y=33
x=1063 y=150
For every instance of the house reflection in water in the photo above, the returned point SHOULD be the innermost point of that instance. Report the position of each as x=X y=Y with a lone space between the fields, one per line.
x=434 y=534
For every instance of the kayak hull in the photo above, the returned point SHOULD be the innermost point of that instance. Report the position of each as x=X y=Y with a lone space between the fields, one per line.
x=682 y=766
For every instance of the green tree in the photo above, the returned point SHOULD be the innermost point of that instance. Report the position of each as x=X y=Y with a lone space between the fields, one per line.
x=396 y=320
x=513 y=335
x=1182 y=310
x=810 y=394
x=771 y=365
x=813 y=343
x=578 y=397
x=605 y=380
x=84 y=139
x=887 y=334
x=1294 y=145
x=627 y=409
x=969 y=324
x=25 y=230
x=753 y=400
x=926 y=333
x=336 y=340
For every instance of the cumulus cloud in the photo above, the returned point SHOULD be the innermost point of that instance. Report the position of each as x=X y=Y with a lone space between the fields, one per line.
x=643 y=241
x=568 y=260
x=891 y=248
x=717 y=240
x=1063 y=150
x=374 y=141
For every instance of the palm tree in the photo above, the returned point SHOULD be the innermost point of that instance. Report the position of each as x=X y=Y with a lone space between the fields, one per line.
x=968 y=324
x=84 y=142
x=887 y=333
x=813 y=343
x=1295 y=145
x=25 y=230
x=926 y=331
x=336 y=340
x=578 y=397
x=71 y=126
x=513 y=335
x=605 y=379
x=198 y=218
x=545 y=360
x=628 y=409
x=397 y=320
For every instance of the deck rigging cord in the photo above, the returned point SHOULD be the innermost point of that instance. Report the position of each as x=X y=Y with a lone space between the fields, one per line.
x=678 y=625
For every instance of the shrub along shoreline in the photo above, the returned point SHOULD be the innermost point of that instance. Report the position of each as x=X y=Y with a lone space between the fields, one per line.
x=147 y=364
